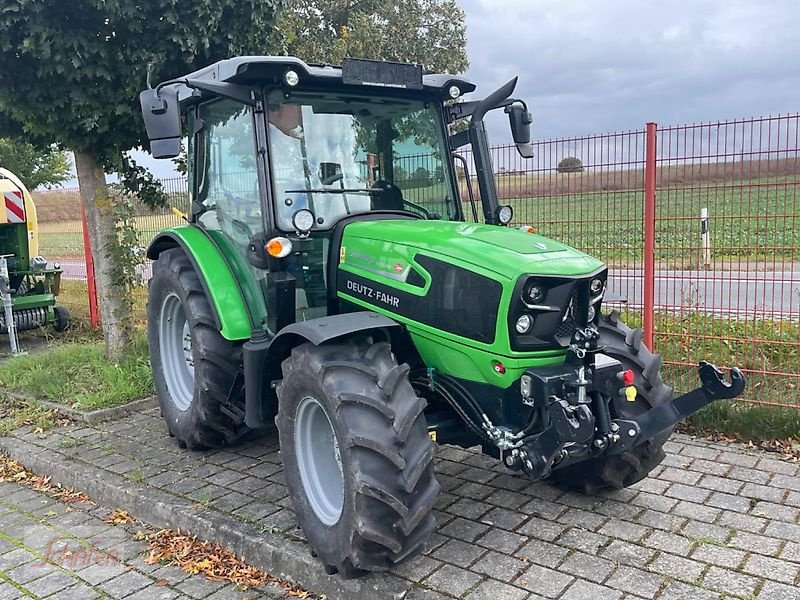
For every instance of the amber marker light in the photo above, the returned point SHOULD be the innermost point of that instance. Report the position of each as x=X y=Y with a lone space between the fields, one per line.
x=279 y=247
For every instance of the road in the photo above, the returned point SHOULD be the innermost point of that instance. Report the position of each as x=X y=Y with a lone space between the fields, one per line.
x=745 y=293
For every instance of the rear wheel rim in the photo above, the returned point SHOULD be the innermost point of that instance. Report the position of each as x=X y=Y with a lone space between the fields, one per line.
x=175 y=341
x=319 y=461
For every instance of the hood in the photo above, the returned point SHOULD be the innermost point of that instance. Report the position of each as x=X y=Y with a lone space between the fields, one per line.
x=503 y=250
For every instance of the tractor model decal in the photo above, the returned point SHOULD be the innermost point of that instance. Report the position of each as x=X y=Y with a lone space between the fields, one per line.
x=15 y=207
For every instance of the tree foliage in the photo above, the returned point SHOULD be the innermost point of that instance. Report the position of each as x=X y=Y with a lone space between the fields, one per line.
x=71 y=72
x=35 y=166
x=429 y=32
x=570 y=164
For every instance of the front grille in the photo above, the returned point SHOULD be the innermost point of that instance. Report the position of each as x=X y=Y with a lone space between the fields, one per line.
x=568 y=325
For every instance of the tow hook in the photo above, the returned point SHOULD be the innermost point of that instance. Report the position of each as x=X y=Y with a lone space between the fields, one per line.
x=665 y=416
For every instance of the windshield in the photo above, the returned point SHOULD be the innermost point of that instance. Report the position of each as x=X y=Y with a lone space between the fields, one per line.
x=338 y=154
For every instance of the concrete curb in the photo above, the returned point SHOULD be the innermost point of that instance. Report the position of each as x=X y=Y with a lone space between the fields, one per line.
x=93 y=416
x=281 y=557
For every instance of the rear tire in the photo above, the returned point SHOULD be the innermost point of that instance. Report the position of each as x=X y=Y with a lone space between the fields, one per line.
x=617 y=471
x=193 y=366
x=369 y=506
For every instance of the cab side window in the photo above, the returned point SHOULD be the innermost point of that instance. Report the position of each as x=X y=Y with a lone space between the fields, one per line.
x=226 y=180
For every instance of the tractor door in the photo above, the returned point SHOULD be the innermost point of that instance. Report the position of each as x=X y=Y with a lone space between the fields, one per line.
x=225 y=189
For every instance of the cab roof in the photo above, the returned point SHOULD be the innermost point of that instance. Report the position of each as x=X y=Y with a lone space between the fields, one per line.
x=246 y=70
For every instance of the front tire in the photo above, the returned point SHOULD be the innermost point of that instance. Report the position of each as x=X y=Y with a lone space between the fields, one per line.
x=617 y=471
x=193 y=366
x=357 y=457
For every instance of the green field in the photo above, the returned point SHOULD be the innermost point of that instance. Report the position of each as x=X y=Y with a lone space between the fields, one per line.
x=748 y=219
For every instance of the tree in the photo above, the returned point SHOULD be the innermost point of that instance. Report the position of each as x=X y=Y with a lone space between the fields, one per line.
x=36 y=167
x=429 y=32
x=570 y=164
x=71 y=72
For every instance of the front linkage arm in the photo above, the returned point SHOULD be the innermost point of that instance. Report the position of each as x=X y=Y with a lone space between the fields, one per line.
x=665 y=416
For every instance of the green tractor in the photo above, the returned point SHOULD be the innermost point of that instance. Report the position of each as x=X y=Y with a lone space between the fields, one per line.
x=329 y=281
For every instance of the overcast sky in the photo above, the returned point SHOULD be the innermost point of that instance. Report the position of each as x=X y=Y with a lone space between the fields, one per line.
x=593 y=67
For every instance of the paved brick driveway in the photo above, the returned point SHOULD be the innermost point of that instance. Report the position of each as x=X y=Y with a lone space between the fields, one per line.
x=67 y=552
x=715 y=521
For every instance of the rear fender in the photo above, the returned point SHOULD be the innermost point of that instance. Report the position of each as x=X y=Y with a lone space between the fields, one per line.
x=230 y=310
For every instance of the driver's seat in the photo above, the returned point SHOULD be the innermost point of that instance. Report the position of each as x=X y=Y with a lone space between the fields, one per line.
x=390 y=198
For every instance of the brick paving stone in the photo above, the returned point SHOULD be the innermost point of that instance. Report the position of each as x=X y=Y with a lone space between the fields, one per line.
x=710 y=467
x=543 y=510
x=696 y=511
x=49 y=584
x=585 y=590
x=623 y=530
x=778 y=570
x=469 y=509
x=783 y=530
x=627 y=553
x=495 y=590
x=502 y=541
x=677 y=567
x=452 y=580
x=751 y=475
x=755 y=543
x=742 y=522
x=730 y=582
x=464 y=529
x=791 y=552
x=543 y=553
x=499 y=566
x=687 y=492
x=738 y=458
x=635 y=581
x=779 y=591
x=582 y=518
x=545 y=582
x=729 y=502
x=588 y=566
x=699 y=530
x=458 y=552
x=580 y=539
x=417 y=569
x=763 y=492
x=677 y=590
x=777 y=512
x=654 y=502
x=541 y=529
x=719 y=556
x=680 y=476
x=126 y=584
x=786 y=482
x=658 y=520
x=504 y=518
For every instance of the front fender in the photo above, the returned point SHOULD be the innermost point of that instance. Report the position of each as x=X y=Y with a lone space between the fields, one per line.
x=263 y=356
x=221 y=287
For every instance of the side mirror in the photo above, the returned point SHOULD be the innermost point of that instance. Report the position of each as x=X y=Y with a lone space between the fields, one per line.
x=520 y=120
x=162 y=119
x=330 y=173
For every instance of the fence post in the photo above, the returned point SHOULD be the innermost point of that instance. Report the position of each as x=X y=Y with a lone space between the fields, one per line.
x=94 y=313
x=649 y=232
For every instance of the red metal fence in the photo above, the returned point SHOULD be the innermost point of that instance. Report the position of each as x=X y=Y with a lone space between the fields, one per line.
x=699 y=224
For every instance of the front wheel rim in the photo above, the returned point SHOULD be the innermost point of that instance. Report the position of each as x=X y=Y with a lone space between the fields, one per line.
x=175 y=344
x=319 y=461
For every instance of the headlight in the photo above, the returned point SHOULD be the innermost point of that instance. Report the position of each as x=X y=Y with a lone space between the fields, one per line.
x=523 y=324
x=596 y=286
x=454 y=91
x=303 y=220
x=291 y=78
x=534 y=293
x=505 y=214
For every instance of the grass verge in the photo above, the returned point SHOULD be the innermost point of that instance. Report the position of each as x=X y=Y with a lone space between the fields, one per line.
x=80 y=376
x=17 y=413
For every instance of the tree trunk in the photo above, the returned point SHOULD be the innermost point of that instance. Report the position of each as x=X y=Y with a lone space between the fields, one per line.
x=114 y=310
